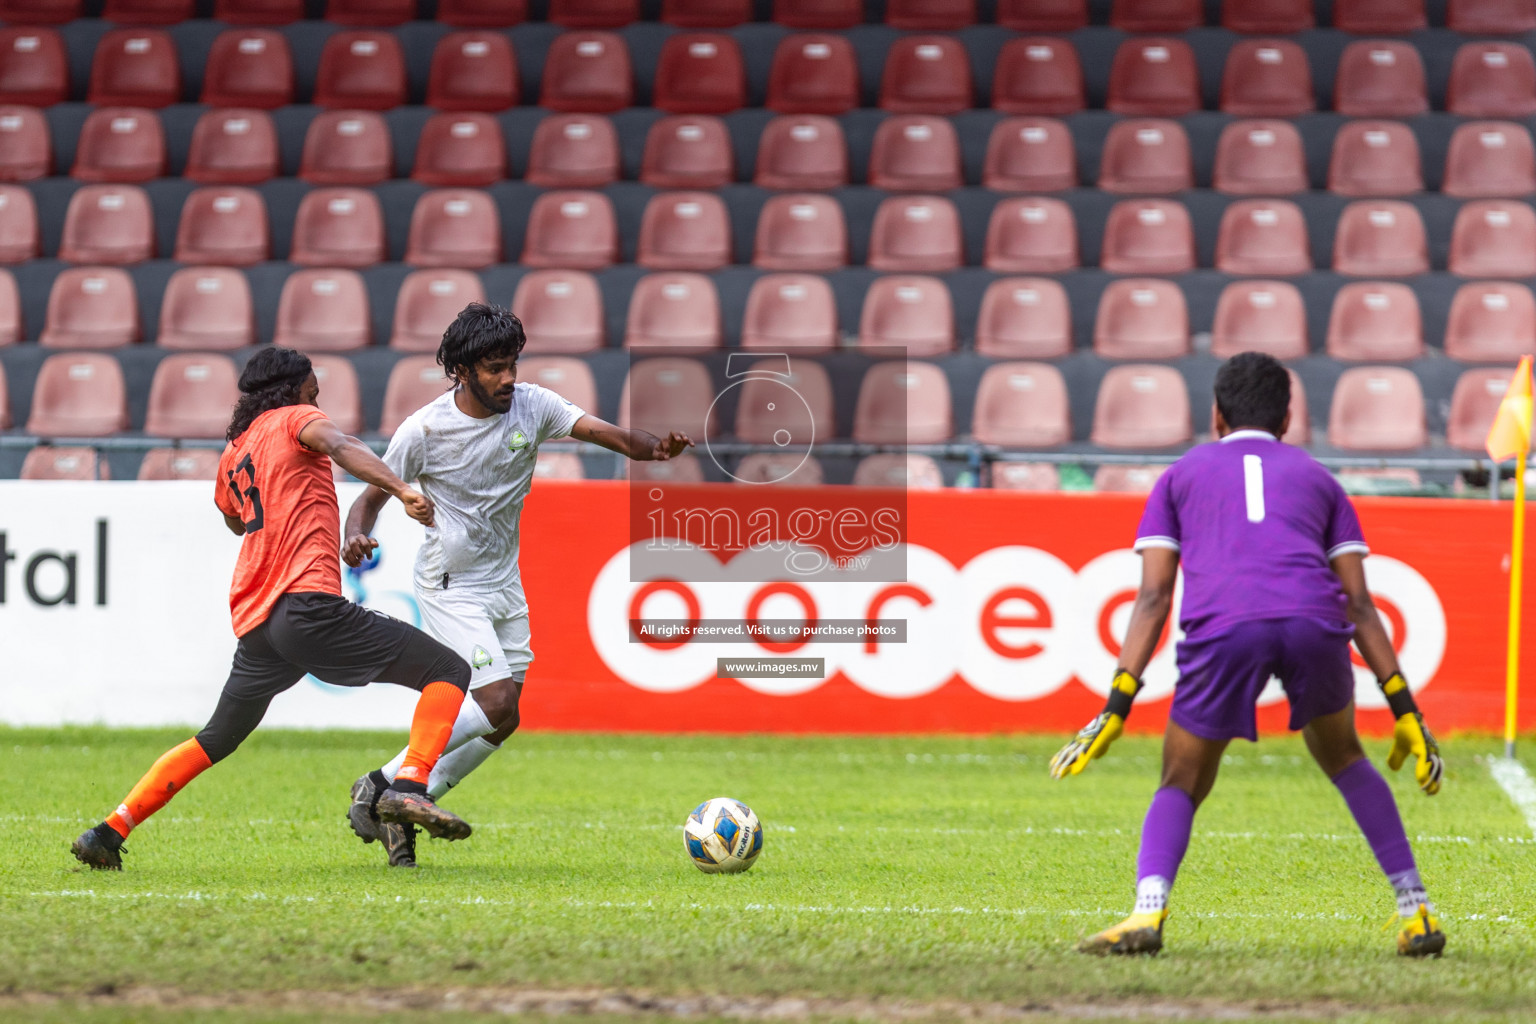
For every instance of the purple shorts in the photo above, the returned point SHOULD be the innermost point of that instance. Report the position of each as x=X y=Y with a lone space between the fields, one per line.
x=1221 y=677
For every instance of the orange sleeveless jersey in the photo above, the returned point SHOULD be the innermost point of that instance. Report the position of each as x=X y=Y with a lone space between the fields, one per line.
x=284 y=494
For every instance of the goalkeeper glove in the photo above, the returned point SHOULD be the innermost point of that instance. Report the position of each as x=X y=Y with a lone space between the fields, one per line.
x=1412 y=736
x=1097 y=735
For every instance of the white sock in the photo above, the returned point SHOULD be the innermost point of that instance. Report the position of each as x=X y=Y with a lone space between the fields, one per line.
x=1410 y=894
x=453 y=766
x=1152 y=895
x=470 y=724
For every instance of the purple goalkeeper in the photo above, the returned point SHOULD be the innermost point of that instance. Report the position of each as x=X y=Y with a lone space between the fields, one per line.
x=1274 y=585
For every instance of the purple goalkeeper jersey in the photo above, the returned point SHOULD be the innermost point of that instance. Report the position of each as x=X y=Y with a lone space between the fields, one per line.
x=1255 y=523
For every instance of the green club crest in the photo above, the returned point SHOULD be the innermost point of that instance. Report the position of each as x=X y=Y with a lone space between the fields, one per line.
x=479 y=657
x=518 y=441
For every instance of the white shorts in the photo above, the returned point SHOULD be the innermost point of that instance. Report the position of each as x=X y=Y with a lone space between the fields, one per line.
x=482 y=628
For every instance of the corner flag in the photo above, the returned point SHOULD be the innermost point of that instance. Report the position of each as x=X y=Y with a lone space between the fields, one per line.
x=1511 y=433
x=1510 y=438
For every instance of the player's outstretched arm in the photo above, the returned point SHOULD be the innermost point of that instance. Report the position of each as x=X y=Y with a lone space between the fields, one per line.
x=361 y=517
x=356 y=458
x=639 y=445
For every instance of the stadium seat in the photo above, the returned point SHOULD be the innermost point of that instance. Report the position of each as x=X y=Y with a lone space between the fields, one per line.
x=1377 y=78
x=1260 y=316
x=682 y=469
x=818 y=13
x=1267 y=78
x=338 y=227
x=26 y=151
x=573 y=151
x=370 y=12
x=1299 y=432
x=1141 y=318
x=1145 y=156
x=347 y=147
x=571 y=229
x=34 y=69
x=903 y=402
x=1156 y=15
x=706 y=13
x=1260 y=158
x=1474 y=405
x=700 y=73
x=206 y=309
x=1491 y=17
x=1031 y=236
x=191 y=396
x=667 y=393
x=482 y=13
x=926 y=75
x=1267 y=17
x=783 y=470
x=249 y=67
x=1377 y=408
x=1030 y=154
x=258 y=12
x=1380 y=238
x=108 y=224
x=1025 y=476
x=587 y=72
x=473 y=71
x=673 y=310
x=802 y=152
x=813 y=74
x=790 y=311
x=1490 y=158
x=561 y=311
x=566 y=376
x=1375 y=321
x=340 y=396
x=135 y=67
x=91 y=307
x=179 y=464
x=1038 y=75
x=323 y=311
x=1263 y=238
x=1494 y=238
x=429 y=300
x=687 y=151
x=1379 y=17
x=1375 y=158
x=361 y=70
x=223 y=226
x=1042 y=15
x=908 y=312
x=915 y=153
x=1491 y=322
x=413 y=382
x=79 y=394
x=454 y=227
x=123 y=144
x=1148 y=236
x=1154 y=78
x=558 y=465
x=1492 y=80
x=39 y=12
x=47 y=462
x=916 y=234
x=12 y=330
x=1022 y=405
x=684 y=231
x=801 y=232
x=1142 y=407
x=1118 y=478
x=930 y=15
x=234 y=147
x=1024 y=318
x=594 y=13
x=909 y=472
x=460 y=149
x=19 y=238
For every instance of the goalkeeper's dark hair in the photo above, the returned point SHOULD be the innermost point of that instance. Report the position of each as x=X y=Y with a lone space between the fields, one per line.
x=1253 y=390
x=270 y=380
x=480 y=331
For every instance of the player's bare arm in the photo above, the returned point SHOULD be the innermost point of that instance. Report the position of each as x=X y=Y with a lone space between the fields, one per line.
x=1154 y=600
x=361 y=517
x=1370 y=635
x=639 y=445
x=358 y=459
x=236 y=526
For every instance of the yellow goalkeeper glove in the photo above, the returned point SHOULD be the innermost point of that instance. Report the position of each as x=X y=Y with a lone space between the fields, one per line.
x=1095 y=737
x=1412 y=736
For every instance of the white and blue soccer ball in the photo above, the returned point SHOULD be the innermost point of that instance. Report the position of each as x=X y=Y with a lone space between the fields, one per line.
x=723 y=836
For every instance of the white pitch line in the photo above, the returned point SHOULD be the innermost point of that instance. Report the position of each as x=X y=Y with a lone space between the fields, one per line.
x=1517 y=783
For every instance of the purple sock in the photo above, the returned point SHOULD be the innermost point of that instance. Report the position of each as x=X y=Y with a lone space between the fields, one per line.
x=1164 y=840
x=1370 y=801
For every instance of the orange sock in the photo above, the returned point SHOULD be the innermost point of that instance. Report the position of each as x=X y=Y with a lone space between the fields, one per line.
x=169 y=776
x=430 y=729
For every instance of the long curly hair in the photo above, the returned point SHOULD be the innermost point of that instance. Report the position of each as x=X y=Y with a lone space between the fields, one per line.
x=271 y=380
x=480 y=331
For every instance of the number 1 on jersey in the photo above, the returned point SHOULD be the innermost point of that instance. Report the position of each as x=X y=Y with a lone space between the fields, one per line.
x=1253 y=487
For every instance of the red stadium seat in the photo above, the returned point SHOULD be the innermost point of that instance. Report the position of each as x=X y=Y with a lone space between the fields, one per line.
x=473 y=71
x=1267 y=78
x=916 y=234
x=340 y=396
x=1030 y=154
x=1474 y=405
x=1148 y=236
x=1123 y=479
x=135 y=67
x=1380 y=79
x=930 y=15
x=429 y=300
x=1375 y=320
x=1263 y=238
x=370 y=12
x=682 y=469
x=482 y=13
x=1490 y=158
x=49 y=462
x=818 y=13
x=1141 y=318
x=1022 y=405
x=909 y=472
x=813 y=74
x=413 y=382
x=338 y=227
x=1157 y=15
x=249 y=67
x=587 y=72
x=684 y=231
x=1025 y=476
x=561 y=311
x=1042 y=15
x=575 y=230
x=1154 y=78
x=1379 y=17
x=673 y=310
x=454 y=227
x=1494 y=238
x=566 y=376
x=706 y=13
x=794 y=311
x=180 y=464
x=34 y=69
x=1380 y=238
x=1267 y=17
x=361 y=70
x=12 y=330
x=206 y=309
x=573 y=151
x=235 y=147
x=783 y=470
x=39 y=12
x=1142 y=407
x=908 y=312
x=926 y=75
x=1260 y=158
x=687 y=151
x=1375 y=158
x=108 y=224
x=1260 y=316
x=1144 y=156
x=1031 y=236
x=347 y=147
x=1377 y=408
x=1024 y=318
x=1491 y=17
x=19 y=238
x=667 y=393
x=191 y=396
x=463 y=149
x=700 y=73
x=258 y=12
x=1491 y=322
x=1492 y=80
x=802 y=152
x=223 y=226
x=1038 y=75
x=323 y=311
x=902 y=402
x=79 y=394
x=594 y=13
x=915 y=153
x=1299 y=432
x=91 y=307
x=801 y=232
x=124 y=144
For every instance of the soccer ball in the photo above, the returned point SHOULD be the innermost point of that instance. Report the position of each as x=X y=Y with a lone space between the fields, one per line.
x=722 y=836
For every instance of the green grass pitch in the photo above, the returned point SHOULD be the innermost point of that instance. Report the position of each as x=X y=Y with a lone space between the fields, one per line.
x=909 y=877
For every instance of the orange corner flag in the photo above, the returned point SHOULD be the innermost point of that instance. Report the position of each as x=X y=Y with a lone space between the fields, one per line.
x=1510 y=437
